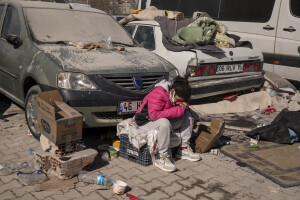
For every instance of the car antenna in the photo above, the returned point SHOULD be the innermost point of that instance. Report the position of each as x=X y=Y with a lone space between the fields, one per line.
x=70 y=6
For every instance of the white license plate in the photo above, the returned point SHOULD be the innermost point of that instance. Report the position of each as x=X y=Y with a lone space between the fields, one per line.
x=223 y=69
x=129 y=106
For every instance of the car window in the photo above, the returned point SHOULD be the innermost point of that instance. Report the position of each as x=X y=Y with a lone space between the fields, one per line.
x=130 y=29
x=295 y=7
x=11 y=25
x=246 y=11
x=145 y=37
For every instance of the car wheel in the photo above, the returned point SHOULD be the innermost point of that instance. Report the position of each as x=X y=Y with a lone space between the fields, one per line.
x=30 y=111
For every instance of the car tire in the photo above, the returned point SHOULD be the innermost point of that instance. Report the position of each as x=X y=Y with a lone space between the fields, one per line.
x=30 y=111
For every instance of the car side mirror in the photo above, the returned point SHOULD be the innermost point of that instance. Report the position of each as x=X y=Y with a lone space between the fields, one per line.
x=14 y=40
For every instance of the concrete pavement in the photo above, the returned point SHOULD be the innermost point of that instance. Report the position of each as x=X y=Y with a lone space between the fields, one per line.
x=214 y=177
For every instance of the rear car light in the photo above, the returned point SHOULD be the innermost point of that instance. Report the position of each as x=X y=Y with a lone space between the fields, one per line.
x=206 y=70
x=253 y=66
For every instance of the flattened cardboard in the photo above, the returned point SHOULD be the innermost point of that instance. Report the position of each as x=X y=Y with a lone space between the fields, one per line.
x=56 y=120
x=209 y=135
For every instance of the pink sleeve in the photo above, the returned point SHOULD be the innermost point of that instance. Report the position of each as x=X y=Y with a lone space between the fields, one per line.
x=157 y=111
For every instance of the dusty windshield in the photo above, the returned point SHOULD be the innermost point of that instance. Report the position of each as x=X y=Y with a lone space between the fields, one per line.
x=50 y=25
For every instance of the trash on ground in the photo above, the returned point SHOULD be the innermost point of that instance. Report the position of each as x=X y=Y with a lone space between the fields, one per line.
x=279 y=83
x=95 y=178
x=132 y=197
x=278 y=130
x=31 y=178
x=209 y=135
x=116 y=143
x=215 y=152
x=54 y=183
x=254 y=143
x=231 y=98
x=6 y=169
x=119 y=187
x=4 y=120
x=113 y=152
x=29 y=132
x=268 y=110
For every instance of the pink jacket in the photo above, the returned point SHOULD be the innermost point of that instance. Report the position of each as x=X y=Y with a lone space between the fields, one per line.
x=158 y=105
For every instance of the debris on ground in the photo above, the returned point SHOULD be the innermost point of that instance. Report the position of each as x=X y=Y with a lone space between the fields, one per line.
x=6 y=169
x=31 y=178
x=95 y=178
x=55 y=183
x=119 y=187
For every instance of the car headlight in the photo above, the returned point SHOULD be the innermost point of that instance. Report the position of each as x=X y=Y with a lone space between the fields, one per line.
x=74 y=81
x=172 y=74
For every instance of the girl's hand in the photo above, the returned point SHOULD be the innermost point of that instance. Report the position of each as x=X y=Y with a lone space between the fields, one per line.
x=184 y=105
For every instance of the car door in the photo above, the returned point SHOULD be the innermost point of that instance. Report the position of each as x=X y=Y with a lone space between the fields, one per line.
x=2 y=10
x=11 y=56
x=287 y=50
x=254 y=21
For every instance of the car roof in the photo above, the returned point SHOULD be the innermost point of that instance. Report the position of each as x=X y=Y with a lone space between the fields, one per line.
x=148 y=22
x=51 y=5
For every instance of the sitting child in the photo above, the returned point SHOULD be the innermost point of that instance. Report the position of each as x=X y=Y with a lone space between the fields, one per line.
x=166 y=109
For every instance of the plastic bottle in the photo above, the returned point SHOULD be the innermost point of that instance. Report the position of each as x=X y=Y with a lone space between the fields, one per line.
x=32 y=178
x=95 y=178
x=6 y=169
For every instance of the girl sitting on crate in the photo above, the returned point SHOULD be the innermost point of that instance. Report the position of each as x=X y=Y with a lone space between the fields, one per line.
x=166 y=110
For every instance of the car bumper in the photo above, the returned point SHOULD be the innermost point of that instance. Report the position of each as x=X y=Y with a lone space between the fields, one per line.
x=206 y=88
x=99 y=108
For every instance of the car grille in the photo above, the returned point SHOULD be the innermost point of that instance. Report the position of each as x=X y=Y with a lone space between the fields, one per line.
x=127 y=82
x=112 y=115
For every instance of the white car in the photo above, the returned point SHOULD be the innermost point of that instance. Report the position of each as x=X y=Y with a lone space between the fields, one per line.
x=209 y=74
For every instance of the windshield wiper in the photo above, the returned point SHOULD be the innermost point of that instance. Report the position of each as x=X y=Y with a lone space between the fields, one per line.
x=125 y=44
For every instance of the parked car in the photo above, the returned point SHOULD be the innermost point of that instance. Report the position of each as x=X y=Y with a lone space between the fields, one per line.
x=209 y=74
x=271 y=25
x=105 y=85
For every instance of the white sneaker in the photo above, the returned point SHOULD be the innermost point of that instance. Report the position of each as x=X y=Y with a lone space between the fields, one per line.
x=165 y=164
x=187 y=154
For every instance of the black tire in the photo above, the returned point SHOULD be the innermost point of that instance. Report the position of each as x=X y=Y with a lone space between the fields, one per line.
x=30 y=111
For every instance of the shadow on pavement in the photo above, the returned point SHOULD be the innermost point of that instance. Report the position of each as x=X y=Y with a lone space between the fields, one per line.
x=5 y=103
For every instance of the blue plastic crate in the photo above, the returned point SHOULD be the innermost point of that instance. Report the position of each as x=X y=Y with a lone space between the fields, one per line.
x=131 y=153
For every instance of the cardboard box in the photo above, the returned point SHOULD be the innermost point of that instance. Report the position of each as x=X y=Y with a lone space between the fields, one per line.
x=56 y=120
x=209 y=135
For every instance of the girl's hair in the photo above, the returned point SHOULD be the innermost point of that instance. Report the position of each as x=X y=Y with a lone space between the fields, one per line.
x=182 y=87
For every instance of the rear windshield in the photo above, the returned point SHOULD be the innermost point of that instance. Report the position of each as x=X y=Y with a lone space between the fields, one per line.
x=52 y=25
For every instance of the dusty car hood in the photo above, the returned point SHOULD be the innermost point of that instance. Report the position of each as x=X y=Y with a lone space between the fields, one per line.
x=104 y=61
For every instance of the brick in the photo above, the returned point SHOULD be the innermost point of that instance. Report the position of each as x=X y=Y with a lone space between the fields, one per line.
x=7 y=179
x=188 y=182
x=138 y=191
x=22 y=190
x=201 y=168
x=216 y=195
x=71 y=194
x=180 y=196
x=106 y=194
x=27 y=197
x=135 y=181
x=186 y=173
x=92 y=196
x=156 y=195
x=44 y=194
x=7 y=195
x=153 y=185
x=86 y=190
x=172 y=189
x=194 y=192
x=8 y=186
x=131 y=173
x=112 y=170
x=149 y=176
x=169 y=179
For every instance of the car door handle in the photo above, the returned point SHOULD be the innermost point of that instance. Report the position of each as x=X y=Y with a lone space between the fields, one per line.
x=289 y=29
x=268 y=28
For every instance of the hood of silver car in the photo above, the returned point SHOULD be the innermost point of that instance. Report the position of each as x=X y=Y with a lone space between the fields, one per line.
x=107 y=61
